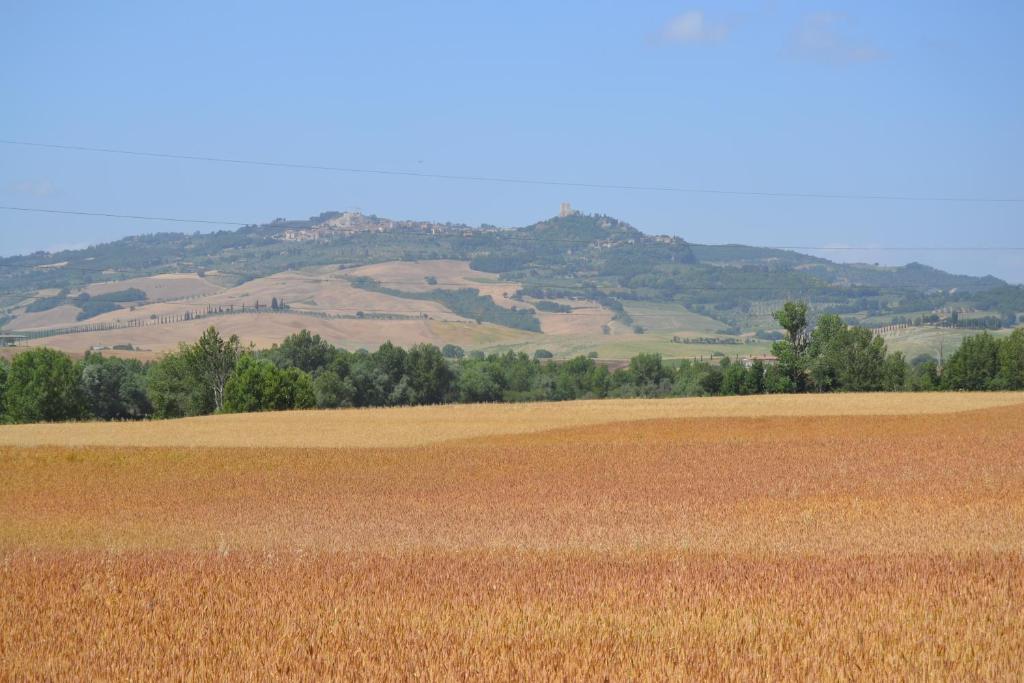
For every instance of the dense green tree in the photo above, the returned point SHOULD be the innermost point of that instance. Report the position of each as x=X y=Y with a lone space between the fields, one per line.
x=44 y=385
x=793 y=319
x=792 y=361
x=257 y=384
x=115 y=388
x=478 y=383
x=333 y=390
x=402 y=393
x=429 y=376
x=862 y=366
x=519 y=375
x=580 y=377
x=777 y=380
x=843 y=358
x=894 y=372
x=1010 y=375
x=4 y=369
x=373 y=386
x=687 y=381
x=211 y=361
x=648 y=372
x=791 y=365
x=452 y=351
x=300 y=389
x=974 y=365
x=303 y=350
x=333 y=385
x=826 y=352
x=599 y=381
x=923 y=374
x=711 y=381
x=734 y=379
x=754 y=380
x=173 y=391
x=390 y=360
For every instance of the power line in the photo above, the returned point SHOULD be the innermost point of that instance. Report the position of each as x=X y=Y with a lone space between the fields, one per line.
x=121 y=215
x=505 y=234
x=510 y=180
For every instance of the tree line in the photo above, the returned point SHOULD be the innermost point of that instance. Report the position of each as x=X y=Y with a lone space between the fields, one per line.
x=219 y=375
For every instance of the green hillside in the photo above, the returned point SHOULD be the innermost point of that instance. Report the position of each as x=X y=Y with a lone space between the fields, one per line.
x=576 y=256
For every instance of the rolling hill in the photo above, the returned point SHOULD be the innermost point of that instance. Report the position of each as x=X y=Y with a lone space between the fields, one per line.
x=570 y=284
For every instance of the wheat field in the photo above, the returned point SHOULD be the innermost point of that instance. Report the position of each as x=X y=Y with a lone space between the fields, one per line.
x=421 y=425
x=805 y=538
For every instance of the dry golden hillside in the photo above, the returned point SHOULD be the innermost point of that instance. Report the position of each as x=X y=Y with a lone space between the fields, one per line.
x=320 y=299
x=160 y=287
x=323 y=300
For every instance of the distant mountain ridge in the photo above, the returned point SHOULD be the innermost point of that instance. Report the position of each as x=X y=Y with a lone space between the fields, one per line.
x=588 y=256
x=911 y=274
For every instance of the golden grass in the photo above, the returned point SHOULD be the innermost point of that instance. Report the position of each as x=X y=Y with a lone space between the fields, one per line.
x=59 y=315
x=159 y=287
x=411 y=276
x=405 y=426
x=812 y=543
x=513 y=617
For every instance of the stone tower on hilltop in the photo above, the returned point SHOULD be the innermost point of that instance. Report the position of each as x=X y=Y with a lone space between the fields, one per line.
x=565 y=210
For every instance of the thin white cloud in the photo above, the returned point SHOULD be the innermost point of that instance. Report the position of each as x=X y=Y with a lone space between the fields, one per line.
x=43 y=187
x=691 y=28
x=820 y=38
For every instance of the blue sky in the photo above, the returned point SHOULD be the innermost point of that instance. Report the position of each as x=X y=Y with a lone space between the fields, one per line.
x=910 y=98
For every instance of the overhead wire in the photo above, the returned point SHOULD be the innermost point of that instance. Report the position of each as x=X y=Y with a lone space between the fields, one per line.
x=511 y=180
